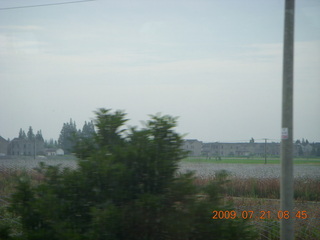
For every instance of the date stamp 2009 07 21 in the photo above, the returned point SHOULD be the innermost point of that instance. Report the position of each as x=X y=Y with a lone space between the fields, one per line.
x=258 y=215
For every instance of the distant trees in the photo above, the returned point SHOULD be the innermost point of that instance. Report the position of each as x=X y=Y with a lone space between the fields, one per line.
x=88 y=130
x=22 y=134
x=126 y=186
x=307 y=149
x=306 y=142
x=29 y=144
x=30 y=134
x=51 y=143
x=69 y=135
x=315 y=149
x=39 y=136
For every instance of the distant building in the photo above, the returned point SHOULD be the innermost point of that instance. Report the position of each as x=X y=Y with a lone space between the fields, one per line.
x=210 y=150
x=24 y=147
x=218 y=149
x=54 y=152
x=51 y=152
x=3 y=146
x=193 y=146
x=273 y=148
x=59 y=152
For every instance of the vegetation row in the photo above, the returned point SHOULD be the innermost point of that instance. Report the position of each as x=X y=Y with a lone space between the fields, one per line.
x=126 y=186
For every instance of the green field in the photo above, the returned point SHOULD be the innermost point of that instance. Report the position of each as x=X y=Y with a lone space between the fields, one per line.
x=252 y=160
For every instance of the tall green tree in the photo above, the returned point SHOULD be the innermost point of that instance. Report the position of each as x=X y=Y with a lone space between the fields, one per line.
x=126 y=186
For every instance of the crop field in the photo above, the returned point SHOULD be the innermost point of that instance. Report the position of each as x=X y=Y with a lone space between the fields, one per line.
x=264 y=214
x=249 y=185
x=254 y=188
x=205 y=169
x=29 y=163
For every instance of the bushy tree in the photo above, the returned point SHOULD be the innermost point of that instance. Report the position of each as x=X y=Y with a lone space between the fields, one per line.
x=126 y=186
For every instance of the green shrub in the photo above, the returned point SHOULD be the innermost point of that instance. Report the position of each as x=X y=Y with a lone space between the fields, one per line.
x=125 y=187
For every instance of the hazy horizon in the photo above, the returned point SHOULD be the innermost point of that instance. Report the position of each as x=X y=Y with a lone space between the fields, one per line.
x=217 y=65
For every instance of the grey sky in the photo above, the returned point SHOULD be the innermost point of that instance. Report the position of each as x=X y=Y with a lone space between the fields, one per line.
x=215 y=64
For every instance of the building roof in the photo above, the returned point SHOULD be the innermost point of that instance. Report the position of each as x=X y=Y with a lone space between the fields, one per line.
x=2 y=139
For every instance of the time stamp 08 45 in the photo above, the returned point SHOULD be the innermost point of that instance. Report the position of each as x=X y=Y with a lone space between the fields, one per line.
x=258 y=214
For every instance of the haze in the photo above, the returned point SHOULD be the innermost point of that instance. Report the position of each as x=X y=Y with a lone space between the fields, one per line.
x=215 y=64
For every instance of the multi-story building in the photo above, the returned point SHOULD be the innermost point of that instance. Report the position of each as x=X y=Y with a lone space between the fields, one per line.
x=193 y=147
x=24 y=147
x=3 y=146
x=218 y=149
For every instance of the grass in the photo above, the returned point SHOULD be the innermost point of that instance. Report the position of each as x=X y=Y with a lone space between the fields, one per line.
x=251 y=160
x=304 y=189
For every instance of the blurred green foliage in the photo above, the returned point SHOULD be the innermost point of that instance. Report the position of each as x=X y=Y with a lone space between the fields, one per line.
x=126 y=186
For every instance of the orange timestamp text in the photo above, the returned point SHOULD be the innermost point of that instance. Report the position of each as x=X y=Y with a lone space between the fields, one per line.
x=258 y=214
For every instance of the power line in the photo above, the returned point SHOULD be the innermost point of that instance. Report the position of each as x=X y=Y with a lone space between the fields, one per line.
x=46 y=5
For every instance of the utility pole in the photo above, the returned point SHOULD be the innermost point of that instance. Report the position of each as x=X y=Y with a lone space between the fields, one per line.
x=286 y=182
x=34 y=148
x=265 y=150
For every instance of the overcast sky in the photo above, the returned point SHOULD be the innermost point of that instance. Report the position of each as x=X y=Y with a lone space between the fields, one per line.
x=216 y=64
